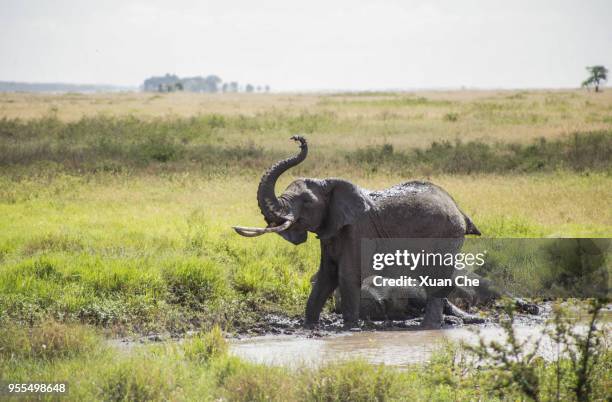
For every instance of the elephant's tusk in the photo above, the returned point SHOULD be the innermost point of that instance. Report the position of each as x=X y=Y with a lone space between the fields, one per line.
x=252 y=232
x=247 y=232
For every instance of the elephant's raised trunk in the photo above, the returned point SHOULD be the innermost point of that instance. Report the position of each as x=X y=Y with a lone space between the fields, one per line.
x=277 y=212
x=273 y=209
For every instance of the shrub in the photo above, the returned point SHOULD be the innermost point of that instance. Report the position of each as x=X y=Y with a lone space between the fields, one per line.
x=577 y=371
x=587 y=359
x=513 y=365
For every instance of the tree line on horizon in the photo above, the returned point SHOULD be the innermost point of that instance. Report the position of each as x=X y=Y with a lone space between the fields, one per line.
x=208 y=84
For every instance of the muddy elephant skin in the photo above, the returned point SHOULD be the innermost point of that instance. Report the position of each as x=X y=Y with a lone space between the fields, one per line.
x=341 y=214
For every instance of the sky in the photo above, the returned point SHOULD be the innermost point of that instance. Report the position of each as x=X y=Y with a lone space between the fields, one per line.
x=308 y=45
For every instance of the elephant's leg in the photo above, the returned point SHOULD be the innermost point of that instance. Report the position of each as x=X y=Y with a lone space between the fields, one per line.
x=325 y=283
x=350 y=289
x=451 y=309
x=433 y=313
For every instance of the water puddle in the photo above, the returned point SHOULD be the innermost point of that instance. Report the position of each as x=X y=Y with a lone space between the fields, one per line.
x=397 y=348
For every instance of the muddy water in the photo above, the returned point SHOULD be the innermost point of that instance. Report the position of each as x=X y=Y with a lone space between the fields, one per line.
x=398 y=348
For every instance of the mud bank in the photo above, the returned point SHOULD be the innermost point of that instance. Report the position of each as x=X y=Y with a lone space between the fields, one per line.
x=278 y=339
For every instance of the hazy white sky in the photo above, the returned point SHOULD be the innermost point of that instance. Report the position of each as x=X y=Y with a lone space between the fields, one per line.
x=313 y=44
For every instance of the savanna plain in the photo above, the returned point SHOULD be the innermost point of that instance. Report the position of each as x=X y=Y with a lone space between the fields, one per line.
x=116 y=214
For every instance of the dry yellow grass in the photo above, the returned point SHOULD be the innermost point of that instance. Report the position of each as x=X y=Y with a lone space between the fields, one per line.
x=547 y=204
x=350 y=120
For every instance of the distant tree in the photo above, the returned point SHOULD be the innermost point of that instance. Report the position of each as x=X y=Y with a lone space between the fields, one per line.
x=160 y=83
x=598 y=75
x=258 y=88
x=267 y=88
x=212 y=83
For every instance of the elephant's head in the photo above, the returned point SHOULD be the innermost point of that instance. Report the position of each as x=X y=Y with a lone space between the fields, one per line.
x=320 y=206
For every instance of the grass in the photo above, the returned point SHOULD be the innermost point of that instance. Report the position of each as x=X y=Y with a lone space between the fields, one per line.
x=200 y=145
x=200 y=369
x=580 y=152
x=115 y=216
x=46 y=341
x=150 y=253
x=347 y=120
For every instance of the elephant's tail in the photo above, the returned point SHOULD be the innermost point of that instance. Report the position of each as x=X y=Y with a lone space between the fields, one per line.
x=470 y=228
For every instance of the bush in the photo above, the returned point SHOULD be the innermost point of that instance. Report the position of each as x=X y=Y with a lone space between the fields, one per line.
x=577 y=371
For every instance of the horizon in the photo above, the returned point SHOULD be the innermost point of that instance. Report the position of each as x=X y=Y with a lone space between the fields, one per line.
x=138 y=88
x=347 y=46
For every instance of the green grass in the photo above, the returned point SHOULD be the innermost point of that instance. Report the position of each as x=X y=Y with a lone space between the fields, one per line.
x=200 y=369
x=121 y=222
x=46 y=341
x=142 y=253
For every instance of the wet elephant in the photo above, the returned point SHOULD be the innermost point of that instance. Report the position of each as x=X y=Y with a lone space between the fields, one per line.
x=341 y=214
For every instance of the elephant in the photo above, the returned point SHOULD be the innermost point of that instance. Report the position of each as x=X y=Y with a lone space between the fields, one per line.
x=341 y=214
x=406 y=302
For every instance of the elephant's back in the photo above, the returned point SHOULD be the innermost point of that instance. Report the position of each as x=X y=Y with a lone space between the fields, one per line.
x=401 y=190
x=418 y=209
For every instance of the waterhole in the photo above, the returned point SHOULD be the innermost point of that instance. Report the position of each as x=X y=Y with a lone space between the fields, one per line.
x=396 y=348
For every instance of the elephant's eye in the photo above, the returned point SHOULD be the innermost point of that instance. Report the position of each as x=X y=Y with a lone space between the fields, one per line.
x=309 y=201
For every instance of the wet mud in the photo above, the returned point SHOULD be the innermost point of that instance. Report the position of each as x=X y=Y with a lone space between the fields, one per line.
x=278 y=339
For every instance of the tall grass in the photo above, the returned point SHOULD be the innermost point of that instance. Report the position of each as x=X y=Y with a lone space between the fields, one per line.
x=198 y=144
x=46 y=341
x=581 y=151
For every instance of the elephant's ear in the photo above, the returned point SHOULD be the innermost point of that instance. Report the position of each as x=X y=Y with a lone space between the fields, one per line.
x=345 y=204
